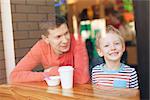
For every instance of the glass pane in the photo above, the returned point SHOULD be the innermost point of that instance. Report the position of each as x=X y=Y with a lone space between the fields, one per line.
x=93 y=15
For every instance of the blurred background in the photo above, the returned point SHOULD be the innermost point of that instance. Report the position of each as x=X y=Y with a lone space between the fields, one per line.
x=85 y=17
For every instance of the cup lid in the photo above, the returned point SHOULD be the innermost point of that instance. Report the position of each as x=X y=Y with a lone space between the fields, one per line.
x=65 y=68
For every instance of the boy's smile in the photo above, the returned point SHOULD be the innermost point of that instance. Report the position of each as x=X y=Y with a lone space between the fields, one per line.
x=111 y=47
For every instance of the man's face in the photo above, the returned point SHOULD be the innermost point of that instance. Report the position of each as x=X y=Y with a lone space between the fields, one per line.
x=59 y=39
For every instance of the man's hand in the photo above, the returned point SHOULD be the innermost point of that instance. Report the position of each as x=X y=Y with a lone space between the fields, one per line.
x=52 y=70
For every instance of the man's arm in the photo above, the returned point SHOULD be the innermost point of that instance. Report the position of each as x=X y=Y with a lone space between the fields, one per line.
x=81 y=62
x=23 y=71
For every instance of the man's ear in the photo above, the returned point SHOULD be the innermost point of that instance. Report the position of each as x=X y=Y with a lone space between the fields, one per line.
x=45 y=39
x=100 y=53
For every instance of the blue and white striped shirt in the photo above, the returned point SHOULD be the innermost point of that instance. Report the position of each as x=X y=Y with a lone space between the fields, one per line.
x=125 y=75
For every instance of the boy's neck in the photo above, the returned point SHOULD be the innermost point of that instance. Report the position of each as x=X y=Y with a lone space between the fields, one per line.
x=113 y=65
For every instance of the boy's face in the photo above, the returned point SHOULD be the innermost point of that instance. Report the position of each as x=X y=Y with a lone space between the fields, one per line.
x=111 y=47
x=59 y=39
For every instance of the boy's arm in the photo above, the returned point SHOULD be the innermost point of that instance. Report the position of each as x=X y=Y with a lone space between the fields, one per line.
x=133 y=80
x=81 y=62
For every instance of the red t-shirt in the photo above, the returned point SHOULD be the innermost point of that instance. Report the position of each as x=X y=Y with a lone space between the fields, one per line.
x=42 y=53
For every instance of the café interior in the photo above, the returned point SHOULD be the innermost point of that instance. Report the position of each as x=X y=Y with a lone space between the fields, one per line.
x=84 y=17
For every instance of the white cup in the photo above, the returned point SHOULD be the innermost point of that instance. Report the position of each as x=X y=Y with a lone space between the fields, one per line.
x=67 y=92
x=66 y=76
x=52 y=80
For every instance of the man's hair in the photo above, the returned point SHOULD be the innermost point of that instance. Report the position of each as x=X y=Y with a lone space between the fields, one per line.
x=60 y=20
x=109 y=29
x=45 y=26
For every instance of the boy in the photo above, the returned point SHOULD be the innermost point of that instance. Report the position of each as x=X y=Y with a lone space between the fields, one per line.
x=113 y=73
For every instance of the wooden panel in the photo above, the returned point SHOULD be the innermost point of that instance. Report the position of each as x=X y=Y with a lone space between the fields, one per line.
x=132 y=55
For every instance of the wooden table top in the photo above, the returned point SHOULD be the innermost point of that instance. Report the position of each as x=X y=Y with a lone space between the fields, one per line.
x=40 y=91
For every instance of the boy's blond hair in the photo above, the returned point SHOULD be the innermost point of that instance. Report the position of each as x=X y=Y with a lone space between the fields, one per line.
x=109 y=29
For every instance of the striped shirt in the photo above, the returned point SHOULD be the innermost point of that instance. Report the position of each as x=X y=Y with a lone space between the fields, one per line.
x=115 y=78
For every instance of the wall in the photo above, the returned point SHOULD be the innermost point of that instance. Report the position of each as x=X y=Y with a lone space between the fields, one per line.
x=2 y=61
x=27 y=16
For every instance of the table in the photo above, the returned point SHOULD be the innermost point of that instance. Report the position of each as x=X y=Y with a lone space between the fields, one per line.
x=40 y=91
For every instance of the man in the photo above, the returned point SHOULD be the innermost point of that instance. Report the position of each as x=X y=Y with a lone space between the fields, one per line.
x=56 y=48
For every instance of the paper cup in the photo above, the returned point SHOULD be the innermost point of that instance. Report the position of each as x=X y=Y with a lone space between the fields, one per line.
x=66 y=76
x=67 y=92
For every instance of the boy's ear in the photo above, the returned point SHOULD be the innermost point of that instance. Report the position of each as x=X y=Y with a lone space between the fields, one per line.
x=100 y=53
x=45 y=39
x=123 y=47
